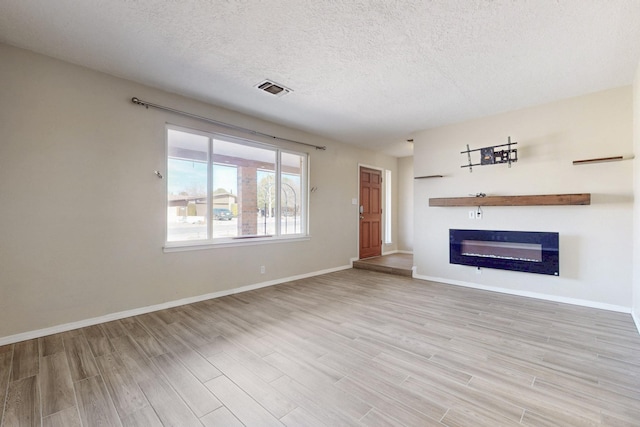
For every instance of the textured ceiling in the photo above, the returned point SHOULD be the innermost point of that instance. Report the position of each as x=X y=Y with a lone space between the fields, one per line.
x=365 y=72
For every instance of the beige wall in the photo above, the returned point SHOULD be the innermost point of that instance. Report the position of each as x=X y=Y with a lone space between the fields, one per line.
x=595 y=241
x=75 y=147
x=405 y=204
x=636 y=191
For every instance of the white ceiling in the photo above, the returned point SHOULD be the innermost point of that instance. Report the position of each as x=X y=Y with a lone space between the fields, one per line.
x=367 y=72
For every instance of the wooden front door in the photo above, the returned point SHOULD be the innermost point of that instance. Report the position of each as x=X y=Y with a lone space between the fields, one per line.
x=370 y=212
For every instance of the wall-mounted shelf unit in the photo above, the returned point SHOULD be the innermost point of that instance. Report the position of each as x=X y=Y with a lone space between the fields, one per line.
x=531 y=200
x=428 y=176
x=602 y=160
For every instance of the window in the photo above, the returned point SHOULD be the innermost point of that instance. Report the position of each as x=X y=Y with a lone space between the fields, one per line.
x=222 y=189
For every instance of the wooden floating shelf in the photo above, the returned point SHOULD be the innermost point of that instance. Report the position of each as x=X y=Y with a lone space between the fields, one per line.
x=602 y=160
x=428 y=176
x=532 y=200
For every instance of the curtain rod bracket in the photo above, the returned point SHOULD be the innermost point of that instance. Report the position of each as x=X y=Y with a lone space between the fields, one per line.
x=145 y=104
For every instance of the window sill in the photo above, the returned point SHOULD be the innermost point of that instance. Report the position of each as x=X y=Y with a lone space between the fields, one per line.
x=198 y=246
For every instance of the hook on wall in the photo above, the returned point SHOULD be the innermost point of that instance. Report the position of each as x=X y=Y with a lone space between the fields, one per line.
x=158 y=174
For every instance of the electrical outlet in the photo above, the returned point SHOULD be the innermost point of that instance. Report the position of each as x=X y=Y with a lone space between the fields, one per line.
x=478 y=271
x=262 y=269
x=479 y=214
x=472 y=214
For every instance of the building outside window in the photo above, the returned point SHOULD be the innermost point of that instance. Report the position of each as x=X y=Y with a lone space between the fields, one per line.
x=223 y=189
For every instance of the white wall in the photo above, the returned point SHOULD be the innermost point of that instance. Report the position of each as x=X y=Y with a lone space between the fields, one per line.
x=405 y=204
x=82 y=214
x=636 y=192
x=595 y=241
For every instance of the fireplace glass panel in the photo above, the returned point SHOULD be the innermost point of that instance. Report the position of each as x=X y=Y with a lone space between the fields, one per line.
x=516 y=251
x=527 y=251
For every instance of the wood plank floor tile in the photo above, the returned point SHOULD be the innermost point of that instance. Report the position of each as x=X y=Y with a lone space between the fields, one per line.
x=375 y=418
x=145 y=417
x=221 y=417
x=300 y=417
x=97 y=339
x=306 y=400
x=194 y=361
x=22 y=407
x=158 y=329
x=245 y=338
x=247 y=410
x=246 y=358
x=126 y=346
x=414 y=400
x=5 y=374
x=192 y=391
x=347 y=362
x=333 y=397
x=308 y=372
x=466 y=400
x=388 y=405
x=51 y=344
x=534 y=419
x=124 y=391
x=81 y=360
x=25 y=360
x=254 y=386
x=188 y=335
x=624 y=407
x=114 y=329
x=56 y=385
x=202 y=369
x=465 y=416
x=94 y=404
x=145 y=340
x=66 y=418
x=537 y=402
x=168 y=406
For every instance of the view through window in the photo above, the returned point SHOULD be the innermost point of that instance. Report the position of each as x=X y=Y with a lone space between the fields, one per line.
x=221 y=188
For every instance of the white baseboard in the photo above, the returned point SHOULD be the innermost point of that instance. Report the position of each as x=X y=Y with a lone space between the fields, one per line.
x=546 y=297
x=143 y=310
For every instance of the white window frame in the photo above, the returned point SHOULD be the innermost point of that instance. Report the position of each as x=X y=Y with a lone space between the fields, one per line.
x=217 y=242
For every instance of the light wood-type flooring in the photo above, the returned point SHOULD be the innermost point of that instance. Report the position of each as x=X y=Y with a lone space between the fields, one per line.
x=399 y=264
x=351 y=348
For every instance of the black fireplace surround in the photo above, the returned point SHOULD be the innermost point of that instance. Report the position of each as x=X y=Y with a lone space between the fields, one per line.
x=528 y=251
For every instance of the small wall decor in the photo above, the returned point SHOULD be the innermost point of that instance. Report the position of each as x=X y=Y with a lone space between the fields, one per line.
x=491 y=156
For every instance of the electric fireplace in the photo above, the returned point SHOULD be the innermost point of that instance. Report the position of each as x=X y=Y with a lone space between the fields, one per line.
x=528 y=251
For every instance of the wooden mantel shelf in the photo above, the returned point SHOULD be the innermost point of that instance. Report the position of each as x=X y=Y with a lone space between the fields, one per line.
x=532 y=200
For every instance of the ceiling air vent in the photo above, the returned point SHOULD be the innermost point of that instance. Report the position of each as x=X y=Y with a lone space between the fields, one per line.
x=273 y=88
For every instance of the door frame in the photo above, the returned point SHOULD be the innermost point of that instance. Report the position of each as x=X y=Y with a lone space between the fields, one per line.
x=382 y=202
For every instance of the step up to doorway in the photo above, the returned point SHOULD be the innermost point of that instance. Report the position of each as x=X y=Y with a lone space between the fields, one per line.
x=398 y=264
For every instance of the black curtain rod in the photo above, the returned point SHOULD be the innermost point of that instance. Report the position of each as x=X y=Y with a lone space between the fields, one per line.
x=215 y=122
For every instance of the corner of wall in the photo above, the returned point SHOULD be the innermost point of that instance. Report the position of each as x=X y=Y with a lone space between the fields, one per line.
x=635 y=304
